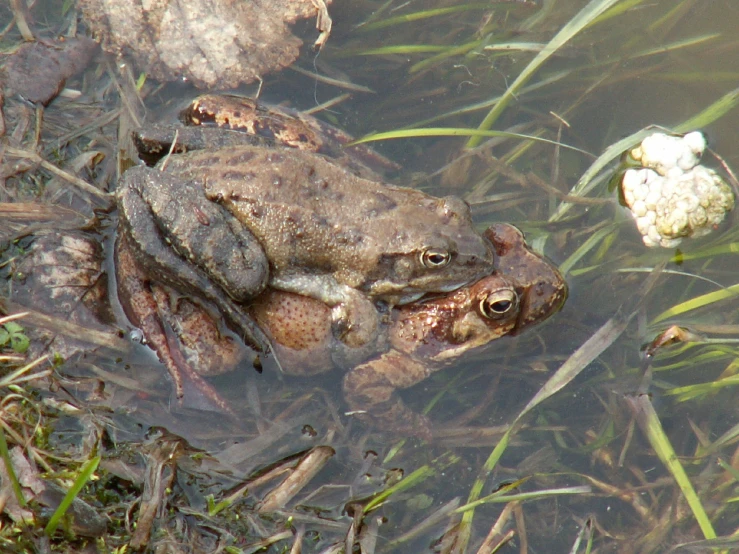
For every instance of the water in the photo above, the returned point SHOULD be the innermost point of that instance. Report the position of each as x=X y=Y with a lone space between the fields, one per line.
x=656 y=63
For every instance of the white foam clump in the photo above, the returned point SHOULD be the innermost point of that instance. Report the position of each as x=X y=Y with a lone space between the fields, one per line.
x=672 y=196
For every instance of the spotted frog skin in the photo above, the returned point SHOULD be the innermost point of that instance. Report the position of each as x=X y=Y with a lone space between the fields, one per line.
x=422 y=337
x=223 y=224
x=414 y=341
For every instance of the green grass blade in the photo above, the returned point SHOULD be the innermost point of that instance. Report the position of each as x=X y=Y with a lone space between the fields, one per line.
x=499 y=497
x=715 y=111
x=652 y=428
x=418 y=476
x=727 y=438
x=615 y=11
x=458 y=132
x=672 y=17
x=85 y=473
x=592 y=241
x=698 y=302
x=425 y=14
x=581 y=20
x=715 y=77
x=398 y=49
x=5 y=455
x=516 y=47
x=700 y=390
x=685 y=43
x=448 y=53
x=730 y=248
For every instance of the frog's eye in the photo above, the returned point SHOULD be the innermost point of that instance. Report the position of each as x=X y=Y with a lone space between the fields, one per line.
x=499 y=304
x=434 y=259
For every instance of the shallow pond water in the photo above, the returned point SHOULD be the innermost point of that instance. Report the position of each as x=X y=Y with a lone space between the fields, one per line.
x=645 y=63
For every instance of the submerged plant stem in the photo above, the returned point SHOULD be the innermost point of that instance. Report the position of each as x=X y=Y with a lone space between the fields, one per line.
x=584 y=18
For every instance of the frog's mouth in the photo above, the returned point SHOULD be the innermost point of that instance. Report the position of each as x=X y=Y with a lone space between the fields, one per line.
x=408 y=298
x=413 y=296
x=527 y=317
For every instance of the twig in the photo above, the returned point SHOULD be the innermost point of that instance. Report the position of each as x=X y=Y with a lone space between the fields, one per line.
x=20 y=20
x=76 y=181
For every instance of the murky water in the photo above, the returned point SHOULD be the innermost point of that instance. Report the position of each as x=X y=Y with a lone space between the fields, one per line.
x=656 y=63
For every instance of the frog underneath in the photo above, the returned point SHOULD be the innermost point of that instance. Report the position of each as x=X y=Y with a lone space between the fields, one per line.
x=416 y=340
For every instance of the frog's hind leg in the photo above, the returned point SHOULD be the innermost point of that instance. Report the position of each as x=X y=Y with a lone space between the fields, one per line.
x=151 y=250
x=142 y=308
x=156 y=203
x=370 y=390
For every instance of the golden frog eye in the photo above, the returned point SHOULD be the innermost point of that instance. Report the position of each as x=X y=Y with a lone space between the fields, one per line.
x=434 y=259
x=499 y=304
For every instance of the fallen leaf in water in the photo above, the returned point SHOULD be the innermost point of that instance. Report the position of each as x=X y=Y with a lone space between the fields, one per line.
x=37 y=71
x=668 y=337
x=213 y=43
x=62 y=276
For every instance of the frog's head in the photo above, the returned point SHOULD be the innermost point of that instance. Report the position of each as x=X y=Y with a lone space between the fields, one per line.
x=438 y=253
x=442 y=327
x=525 y=289
x=541 y=288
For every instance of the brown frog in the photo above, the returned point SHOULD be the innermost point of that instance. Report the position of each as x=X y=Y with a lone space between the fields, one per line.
x=223 y=224
x=415 y=340
x=422 y=337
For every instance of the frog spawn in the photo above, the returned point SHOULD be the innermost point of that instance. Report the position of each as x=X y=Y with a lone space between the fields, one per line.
x=672 y=196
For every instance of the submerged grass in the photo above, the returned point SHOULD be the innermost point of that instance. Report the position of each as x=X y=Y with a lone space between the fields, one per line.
x=652 y=428
x=597 y=248
x=580 y=21
x=412 y=480
x=5 y=455
x=596 y=340
x=698 y=302
x=424 y=14
x=575 y=364
x=451 y=132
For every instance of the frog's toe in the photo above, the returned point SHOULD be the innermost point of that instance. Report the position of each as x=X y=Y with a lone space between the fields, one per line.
x=355 y=327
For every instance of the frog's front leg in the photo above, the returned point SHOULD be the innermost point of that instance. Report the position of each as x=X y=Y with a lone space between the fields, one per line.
x=354 y=317
x=186 y=252
x=370 y=389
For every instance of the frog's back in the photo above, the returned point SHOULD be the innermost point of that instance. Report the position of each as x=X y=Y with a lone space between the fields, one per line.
x=307 y=211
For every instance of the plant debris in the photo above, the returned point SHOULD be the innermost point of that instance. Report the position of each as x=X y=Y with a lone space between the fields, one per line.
x=81 y=518
x=212 y=43
x=37 y=71
x=62 y=277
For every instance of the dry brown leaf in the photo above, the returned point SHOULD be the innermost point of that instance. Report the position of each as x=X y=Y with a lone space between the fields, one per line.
x=37 y=70
x=62 y=276
x=213 y=43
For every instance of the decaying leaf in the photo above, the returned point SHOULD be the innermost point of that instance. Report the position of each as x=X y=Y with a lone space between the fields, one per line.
x=213 y=43
x=37 y=70
x=672 y=335
x=62 y=277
